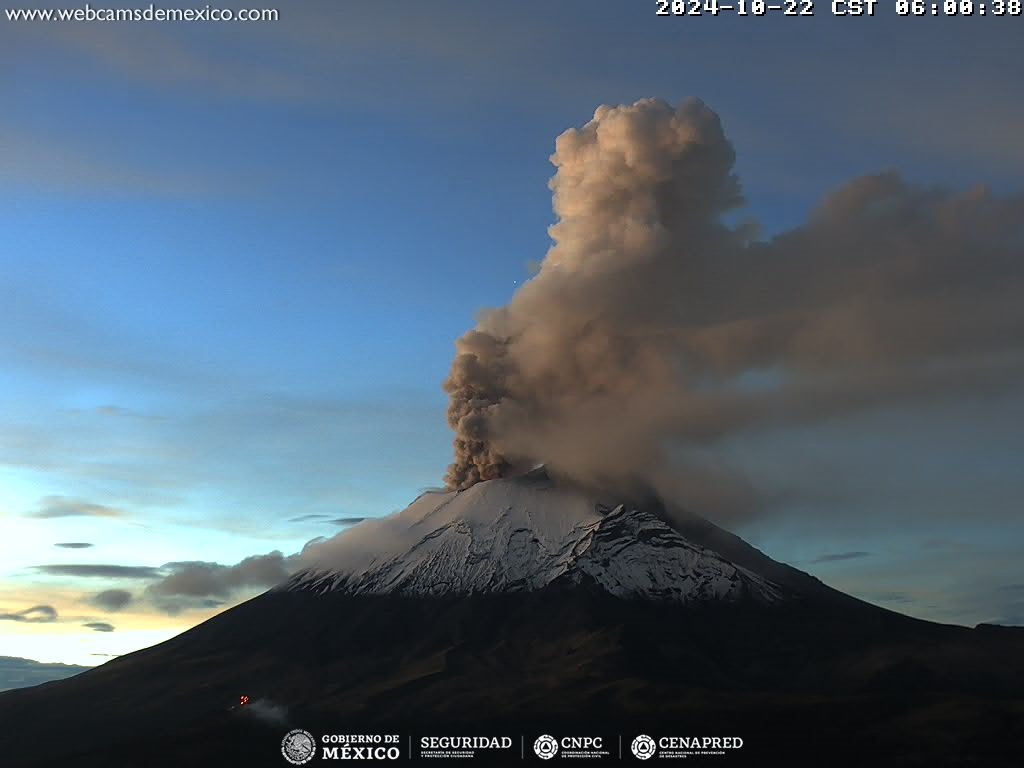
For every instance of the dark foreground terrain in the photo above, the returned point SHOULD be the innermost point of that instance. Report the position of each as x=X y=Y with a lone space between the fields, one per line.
x=817 y=682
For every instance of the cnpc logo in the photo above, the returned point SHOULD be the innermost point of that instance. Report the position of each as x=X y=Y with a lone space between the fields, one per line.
x=547 y=746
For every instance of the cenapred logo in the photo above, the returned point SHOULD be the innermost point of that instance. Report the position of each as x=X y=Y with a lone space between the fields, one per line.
x=546 y=747
x=643 y=746
x=298 y=746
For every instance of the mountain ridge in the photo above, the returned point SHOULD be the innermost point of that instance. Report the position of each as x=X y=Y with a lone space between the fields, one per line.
x=525 y=533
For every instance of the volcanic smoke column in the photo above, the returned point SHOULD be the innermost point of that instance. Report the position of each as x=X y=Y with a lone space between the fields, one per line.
x=591 y=341
x=654 y=333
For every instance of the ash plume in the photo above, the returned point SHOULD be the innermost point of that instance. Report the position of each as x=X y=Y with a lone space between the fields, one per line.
x=654 y=329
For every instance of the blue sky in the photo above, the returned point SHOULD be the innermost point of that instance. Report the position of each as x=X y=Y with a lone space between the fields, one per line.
x=234 y=259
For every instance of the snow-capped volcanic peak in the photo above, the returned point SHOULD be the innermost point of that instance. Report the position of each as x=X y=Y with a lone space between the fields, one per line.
x=523 y=534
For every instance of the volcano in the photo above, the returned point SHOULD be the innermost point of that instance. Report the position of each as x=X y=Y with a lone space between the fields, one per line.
x=528 y=534
x=524 y=606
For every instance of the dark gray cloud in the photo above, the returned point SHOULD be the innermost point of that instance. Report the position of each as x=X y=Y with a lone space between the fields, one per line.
x=203 y=579
x=655 y=330
x=22 y=673
x=347 y=520
x=326 y=519
x=63 y=506
x=37 y=614
x=179 y=586
x=111 y=599
x=74 y=544
x=207 y=585
x=102 y=571
x=99 y=626
x=838 y=556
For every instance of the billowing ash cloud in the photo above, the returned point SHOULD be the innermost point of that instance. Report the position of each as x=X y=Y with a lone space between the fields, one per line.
x=654 y=329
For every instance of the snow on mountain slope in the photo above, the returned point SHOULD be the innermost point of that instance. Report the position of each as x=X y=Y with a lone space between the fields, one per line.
x=523 y=534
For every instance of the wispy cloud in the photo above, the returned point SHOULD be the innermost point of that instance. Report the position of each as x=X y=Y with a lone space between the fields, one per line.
x=166 y=57
x=99 y=626
x=74 y=544
x=834 y=557
x=147 y=468
x=37 y=614
x=60 y=163
x=323 y=518
x=977 y=124
x=102 y=571
x=63 y=506
x=310 y=56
